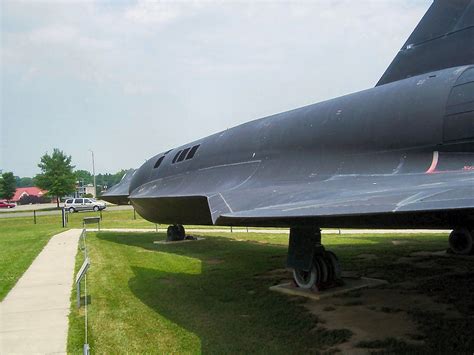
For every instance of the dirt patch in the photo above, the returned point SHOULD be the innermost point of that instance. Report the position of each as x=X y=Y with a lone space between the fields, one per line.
x=421 y=262
x=387 y=314
x=443 y=254
x=433 y=260
x=376 y=314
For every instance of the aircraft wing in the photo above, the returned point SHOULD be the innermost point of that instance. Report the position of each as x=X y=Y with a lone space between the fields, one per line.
x=372 y=200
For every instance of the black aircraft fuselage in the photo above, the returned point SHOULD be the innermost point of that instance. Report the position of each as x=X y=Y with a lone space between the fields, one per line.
x=387 y=130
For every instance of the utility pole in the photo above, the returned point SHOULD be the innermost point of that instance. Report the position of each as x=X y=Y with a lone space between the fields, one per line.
x=93 y=172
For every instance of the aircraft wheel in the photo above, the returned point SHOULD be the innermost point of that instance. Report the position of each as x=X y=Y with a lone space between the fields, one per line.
x=181 y=231
x=324 y=271
x=175 y=232
x=317 y=277
x=335 y=267
x=306 y=279
x=461 y=241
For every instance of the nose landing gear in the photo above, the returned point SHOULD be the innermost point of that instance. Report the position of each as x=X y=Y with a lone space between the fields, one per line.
x=175 y=232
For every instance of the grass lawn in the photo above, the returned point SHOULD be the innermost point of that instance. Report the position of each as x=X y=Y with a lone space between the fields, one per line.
x=212 y=296
x=110 y=219
x=21 y=240
x=191 y=297
x=20 y=243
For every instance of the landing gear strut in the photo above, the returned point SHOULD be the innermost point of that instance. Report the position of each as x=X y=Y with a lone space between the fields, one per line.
x=175 y=232
x=461 y=241
x=314 y=267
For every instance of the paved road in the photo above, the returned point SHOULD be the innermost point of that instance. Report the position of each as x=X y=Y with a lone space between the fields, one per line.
x=41 y=206
x=13 y=214
x=34 y=314
x=37 y=206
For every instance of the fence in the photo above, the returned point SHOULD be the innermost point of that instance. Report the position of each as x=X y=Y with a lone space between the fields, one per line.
x=82 y=275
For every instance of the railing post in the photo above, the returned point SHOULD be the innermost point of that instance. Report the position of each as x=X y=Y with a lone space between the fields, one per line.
x=63 y=217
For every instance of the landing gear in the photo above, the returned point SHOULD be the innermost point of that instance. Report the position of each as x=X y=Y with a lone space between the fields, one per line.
x=461 y=241
x=175 y=232
x=314 y=267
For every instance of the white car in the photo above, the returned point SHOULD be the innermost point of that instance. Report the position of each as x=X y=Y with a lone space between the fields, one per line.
x=83 y=204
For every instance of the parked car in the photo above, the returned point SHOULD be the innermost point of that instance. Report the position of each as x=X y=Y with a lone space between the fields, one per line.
x=5 y=204
x=83 y=204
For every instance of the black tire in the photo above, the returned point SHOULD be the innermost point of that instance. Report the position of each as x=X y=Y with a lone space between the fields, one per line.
x=461 y=241
x=71 y=210
x=181 y=232
x=96 y=208
x=335 y=266
x=330 y=269
x=171 y=234
x=324 y=272
x=306 y=279
x=174 y=233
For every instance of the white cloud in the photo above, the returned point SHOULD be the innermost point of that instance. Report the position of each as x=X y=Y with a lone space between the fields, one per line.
x=152 y=12
x=137 y=89
x=64 y=35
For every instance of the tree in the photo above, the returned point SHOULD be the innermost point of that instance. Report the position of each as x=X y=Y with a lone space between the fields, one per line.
x=84 y=176
x=7 y=186
x=56 y=174
x=24 y=182
x=110 y=180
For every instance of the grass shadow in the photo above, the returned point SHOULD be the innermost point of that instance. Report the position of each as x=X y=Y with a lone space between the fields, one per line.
x=225 y=302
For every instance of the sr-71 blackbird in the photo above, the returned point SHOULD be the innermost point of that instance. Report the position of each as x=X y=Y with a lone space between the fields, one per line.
x=399 y=155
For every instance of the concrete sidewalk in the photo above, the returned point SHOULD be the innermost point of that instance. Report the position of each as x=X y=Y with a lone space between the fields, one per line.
x=34 y=314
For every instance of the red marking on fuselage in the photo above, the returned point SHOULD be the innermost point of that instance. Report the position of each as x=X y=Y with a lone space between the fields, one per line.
x=434 y=163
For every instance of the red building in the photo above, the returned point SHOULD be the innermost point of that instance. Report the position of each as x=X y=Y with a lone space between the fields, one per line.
x=27 y=191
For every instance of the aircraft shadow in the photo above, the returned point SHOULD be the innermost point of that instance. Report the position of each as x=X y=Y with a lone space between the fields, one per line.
x=227 y=304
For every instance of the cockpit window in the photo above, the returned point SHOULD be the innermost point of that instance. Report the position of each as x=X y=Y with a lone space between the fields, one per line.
x=187 y=153
x=158 y=162
x=176 y=156
x=192 y=152
x=183 y=154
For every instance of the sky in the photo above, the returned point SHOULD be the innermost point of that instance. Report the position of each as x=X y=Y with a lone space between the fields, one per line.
x=130 y=79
